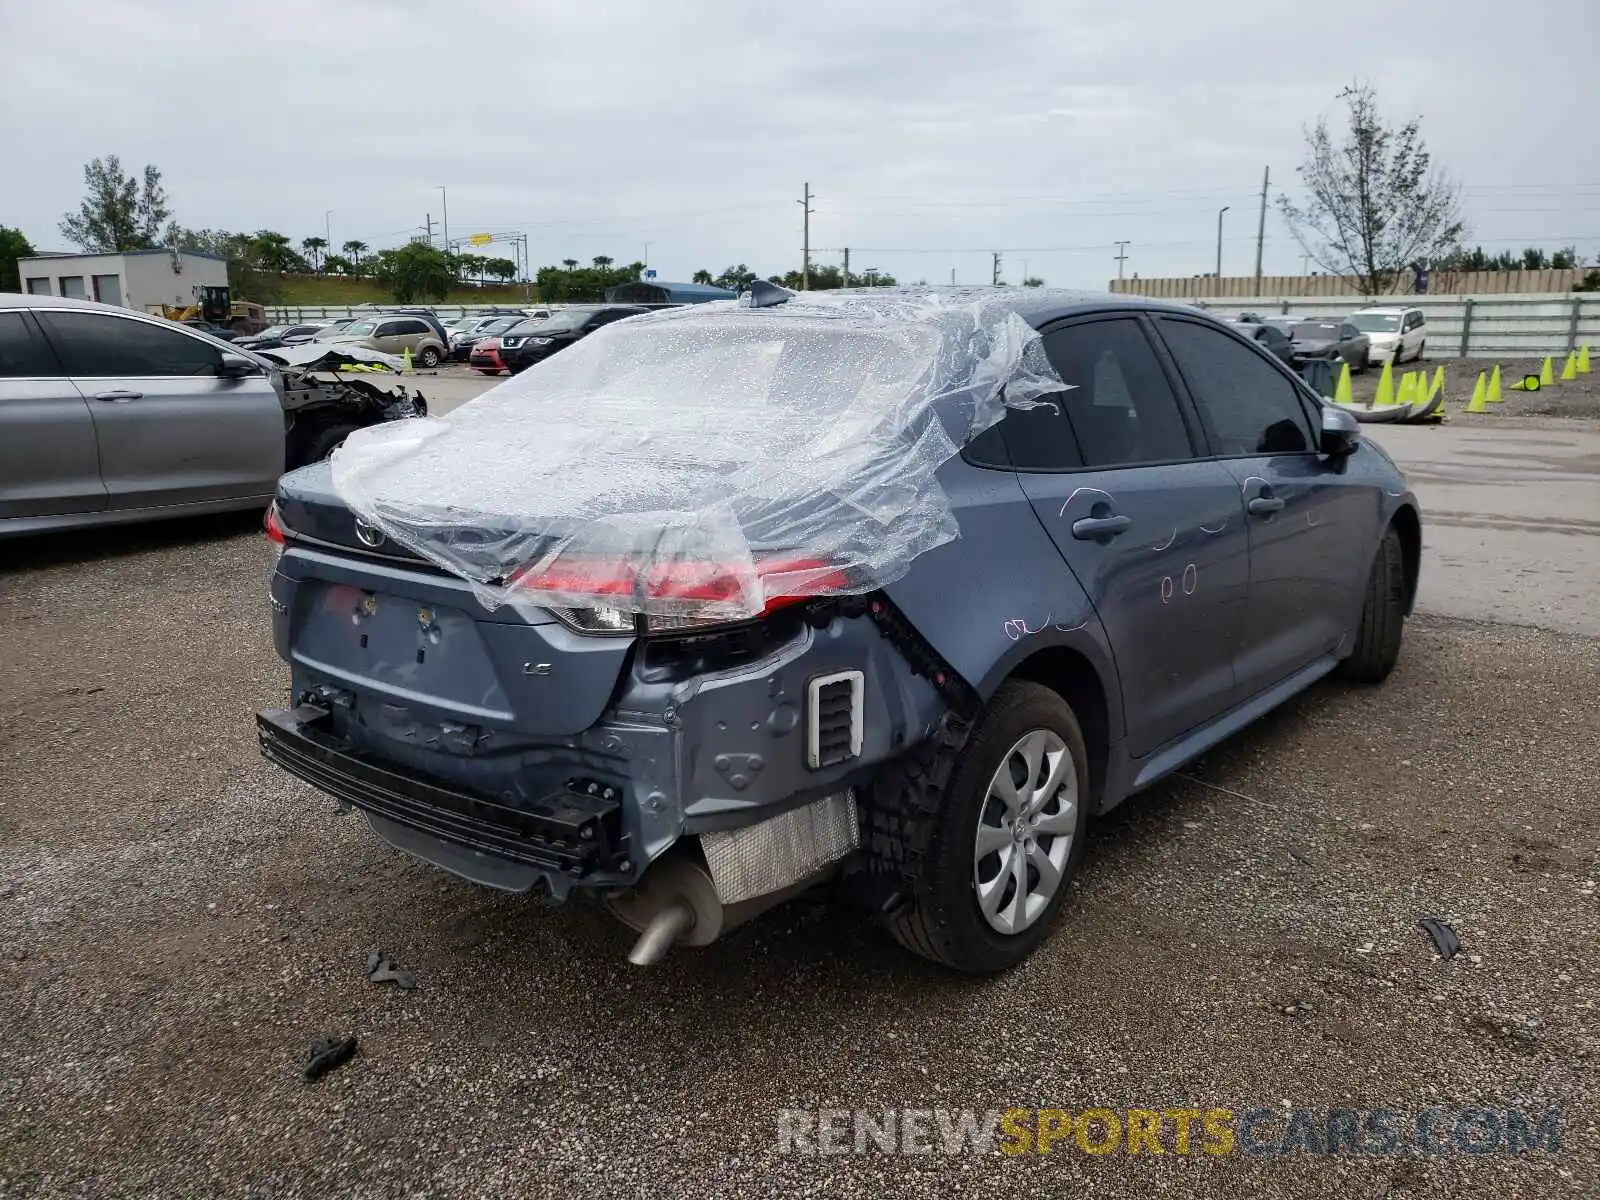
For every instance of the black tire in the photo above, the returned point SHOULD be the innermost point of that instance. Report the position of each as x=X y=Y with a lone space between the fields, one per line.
x=1422 y=349
x=922 y=818
x=325 y=441
x=1383 y=616
x=429 y=357
x=485 y=371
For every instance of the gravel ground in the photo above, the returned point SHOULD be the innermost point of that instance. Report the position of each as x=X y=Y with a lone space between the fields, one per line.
x=178 y=921
x=1578 y=397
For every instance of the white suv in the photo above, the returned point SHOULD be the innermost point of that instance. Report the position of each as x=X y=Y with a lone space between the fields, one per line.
x=1397 y=334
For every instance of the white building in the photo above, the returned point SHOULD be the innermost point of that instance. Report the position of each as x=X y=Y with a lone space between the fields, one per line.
x=137 y=279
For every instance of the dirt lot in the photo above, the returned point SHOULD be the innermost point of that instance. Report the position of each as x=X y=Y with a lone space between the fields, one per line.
x=1578 y=397
x=178 y=921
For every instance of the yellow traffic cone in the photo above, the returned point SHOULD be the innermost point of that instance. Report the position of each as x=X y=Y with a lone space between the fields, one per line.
x=1480 y=395
x=1437 y=387
x=1570 y=370
x=1408 y=389
x=1341 y=390
x=1385 y=396
x=1547 y=374
x=408 y=369
x=1494 y=396
x=1583 y=359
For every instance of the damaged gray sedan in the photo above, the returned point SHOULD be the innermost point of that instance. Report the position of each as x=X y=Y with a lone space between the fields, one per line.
x=110 y=416
x=891 y=587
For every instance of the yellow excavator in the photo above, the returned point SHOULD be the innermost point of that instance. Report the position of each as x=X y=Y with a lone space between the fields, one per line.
x=215 y=310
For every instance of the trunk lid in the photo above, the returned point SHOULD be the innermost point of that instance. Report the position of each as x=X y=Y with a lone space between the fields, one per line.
x=413 y=645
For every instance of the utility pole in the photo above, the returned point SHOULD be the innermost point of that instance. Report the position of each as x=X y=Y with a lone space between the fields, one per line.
x=805 y=248
x=995 y=274
x=1218 y=275
x=327 y=228
x=430 y=229
x=1122 y=257
x=952 y=277
x=847 y=266
x=443 y=196
x=1261 y=225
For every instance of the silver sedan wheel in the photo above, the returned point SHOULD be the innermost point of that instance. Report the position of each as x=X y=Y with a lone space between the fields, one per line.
x=1025 y=831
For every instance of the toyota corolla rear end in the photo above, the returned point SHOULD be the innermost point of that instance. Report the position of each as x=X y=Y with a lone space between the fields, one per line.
x=691 y=772
x=619 y=625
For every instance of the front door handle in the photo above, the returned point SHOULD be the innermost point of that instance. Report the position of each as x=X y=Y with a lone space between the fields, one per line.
x=1086 y=529
x=118 y=396
x=1264 y=506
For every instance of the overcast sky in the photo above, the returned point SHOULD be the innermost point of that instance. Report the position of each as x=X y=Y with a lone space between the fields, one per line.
x=931 y=132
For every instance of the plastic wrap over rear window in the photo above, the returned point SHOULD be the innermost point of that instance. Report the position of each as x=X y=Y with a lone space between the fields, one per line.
x=707 y=459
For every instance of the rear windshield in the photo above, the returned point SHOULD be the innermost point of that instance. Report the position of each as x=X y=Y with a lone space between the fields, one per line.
x=1375 y=322
x=1314 y=330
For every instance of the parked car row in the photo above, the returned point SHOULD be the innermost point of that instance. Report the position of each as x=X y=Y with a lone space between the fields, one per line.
x=537 y=338
x=1373 y=335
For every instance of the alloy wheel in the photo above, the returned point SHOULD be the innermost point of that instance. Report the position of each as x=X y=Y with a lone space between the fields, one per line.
x=1025 y=831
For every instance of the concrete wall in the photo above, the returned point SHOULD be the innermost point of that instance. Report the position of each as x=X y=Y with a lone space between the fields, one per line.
x=143 y=279
x=1440 y=283
x=1459 y=326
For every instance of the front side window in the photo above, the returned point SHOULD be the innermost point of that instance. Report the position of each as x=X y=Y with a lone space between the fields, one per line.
x=1252 y=407
x=1119 y=409
x=95 y=344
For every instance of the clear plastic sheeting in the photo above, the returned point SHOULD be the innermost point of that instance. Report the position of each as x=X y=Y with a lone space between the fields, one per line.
x=709 y=461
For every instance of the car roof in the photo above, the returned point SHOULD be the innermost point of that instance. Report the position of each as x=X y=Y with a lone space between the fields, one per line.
x=1385 y=309
x=20 y=300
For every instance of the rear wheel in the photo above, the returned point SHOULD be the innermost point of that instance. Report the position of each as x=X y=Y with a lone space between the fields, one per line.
x=985 y=837
x=1383 y=616
x=429 y=357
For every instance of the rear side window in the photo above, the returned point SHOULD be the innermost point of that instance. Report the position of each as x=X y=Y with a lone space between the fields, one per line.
x=409 y=327
x=1119 y=410
x=23 y=353
x=1252 y=407
x=94 y=344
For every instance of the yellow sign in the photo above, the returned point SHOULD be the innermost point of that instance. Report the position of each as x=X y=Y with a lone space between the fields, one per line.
x=480 y=239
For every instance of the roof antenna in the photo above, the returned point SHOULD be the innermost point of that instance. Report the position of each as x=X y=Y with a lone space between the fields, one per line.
x=762 y=294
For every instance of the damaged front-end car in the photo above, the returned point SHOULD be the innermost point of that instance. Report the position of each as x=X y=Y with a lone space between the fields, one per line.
x=323 y=407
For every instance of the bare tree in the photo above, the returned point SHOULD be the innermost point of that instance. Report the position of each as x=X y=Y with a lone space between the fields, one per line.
x=1376 y=205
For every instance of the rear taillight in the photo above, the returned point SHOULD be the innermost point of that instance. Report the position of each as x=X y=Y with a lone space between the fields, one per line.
x=272 y=526
x=676 y=595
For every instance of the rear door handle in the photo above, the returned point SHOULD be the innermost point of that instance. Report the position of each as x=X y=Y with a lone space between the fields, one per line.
x=1086 y=529
x=118 y=396
x=1265 y=506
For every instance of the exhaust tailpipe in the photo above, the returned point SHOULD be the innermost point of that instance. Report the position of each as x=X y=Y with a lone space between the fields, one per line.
x=667 y=926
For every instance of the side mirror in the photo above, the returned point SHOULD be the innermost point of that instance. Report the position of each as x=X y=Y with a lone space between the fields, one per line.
x=1341 y=432
x=237 y=366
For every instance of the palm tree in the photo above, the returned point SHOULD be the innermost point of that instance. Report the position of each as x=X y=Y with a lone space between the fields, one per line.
x=314 y=246
x=701 y=276
x=570 y=264
x=602 y=261
x=354 y=250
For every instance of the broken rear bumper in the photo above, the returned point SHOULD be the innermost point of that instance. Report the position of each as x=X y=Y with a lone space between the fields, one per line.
x=574 y=832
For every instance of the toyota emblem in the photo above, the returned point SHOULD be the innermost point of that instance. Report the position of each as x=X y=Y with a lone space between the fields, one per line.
x=369 y=534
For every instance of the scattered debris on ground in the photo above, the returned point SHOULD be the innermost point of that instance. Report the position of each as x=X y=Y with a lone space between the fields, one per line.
x=381 y=970
x=326 y=1053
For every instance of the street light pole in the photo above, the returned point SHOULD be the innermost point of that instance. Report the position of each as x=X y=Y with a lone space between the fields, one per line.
x=1218 y=275
x=444 y=198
